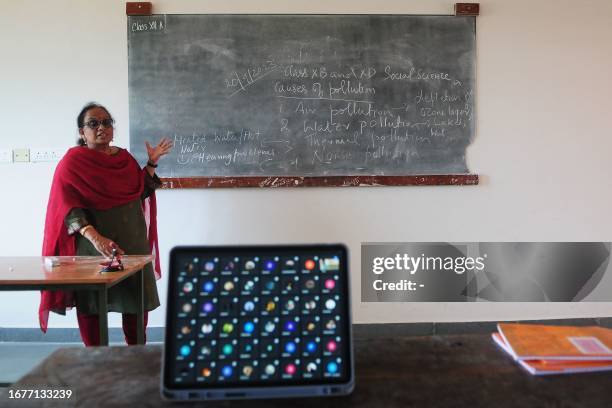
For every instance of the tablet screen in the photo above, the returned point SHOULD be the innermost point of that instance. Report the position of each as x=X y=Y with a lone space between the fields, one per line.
x=261 y=316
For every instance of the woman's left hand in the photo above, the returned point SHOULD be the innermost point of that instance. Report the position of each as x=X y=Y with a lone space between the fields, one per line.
x=163 y=148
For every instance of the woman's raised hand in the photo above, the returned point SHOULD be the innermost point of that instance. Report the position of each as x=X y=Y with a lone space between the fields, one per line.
x=163 y=147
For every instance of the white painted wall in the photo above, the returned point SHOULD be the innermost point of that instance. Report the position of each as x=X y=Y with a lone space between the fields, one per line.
x=543 y=145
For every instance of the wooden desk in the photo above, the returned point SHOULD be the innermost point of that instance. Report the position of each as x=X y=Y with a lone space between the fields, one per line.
x=74 y=272
x=432 y=371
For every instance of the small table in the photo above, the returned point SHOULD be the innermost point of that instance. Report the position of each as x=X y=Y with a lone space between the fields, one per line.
x=429 y=371
x=74 y=273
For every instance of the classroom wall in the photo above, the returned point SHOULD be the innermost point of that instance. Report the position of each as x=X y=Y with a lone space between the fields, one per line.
x=542 y=145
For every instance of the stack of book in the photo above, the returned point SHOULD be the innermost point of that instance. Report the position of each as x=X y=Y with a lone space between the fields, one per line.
x=543 y=350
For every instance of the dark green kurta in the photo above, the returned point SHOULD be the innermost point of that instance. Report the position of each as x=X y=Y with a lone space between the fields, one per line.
x=126 y=226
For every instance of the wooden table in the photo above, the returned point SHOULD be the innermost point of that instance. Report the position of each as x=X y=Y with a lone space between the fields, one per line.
x=432 y=371
x=74 y=273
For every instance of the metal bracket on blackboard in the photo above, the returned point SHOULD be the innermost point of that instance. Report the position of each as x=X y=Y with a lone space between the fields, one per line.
x=138 y=8
x=324 y=181
x=467 y=9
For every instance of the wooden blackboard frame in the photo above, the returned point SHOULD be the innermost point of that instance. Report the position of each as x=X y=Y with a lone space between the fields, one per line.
x=324 y=181
x=145 y=8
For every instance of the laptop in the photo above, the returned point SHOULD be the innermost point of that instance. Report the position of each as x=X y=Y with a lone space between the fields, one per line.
x=258 y=322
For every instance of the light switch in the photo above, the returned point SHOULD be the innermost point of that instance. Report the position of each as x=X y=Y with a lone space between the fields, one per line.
x=46 y=155
x=6 y=156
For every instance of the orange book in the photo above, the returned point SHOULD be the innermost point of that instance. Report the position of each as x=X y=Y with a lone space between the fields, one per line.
x=548 y=367
x=542 y=342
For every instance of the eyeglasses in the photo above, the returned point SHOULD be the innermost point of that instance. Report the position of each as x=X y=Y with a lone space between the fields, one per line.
x=95 y=123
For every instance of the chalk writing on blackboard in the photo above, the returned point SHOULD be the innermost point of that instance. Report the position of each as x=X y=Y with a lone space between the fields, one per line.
x=332 y=95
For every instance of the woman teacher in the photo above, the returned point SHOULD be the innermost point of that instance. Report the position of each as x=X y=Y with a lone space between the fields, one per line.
x=100 y=201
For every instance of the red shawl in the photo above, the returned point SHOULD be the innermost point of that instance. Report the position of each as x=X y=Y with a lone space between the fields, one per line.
x=87 y=178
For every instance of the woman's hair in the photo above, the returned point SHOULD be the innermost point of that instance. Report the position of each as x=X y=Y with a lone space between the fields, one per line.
x=81 y=118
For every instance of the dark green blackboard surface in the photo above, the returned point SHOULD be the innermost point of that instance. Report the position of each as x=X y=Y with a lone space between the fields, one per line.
x=303 y=95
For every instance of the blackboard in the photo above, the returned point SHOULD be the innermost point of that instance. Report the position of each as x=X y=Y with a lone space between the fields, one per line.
x=303 y=95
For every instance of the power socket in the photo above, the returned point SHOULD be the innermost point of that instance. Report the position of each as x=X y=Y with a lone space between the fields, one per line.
x=21 y=155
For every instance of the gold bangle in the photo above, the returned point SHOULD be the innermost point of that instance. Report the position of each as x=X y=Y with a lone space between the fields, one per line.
x=84 y=229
